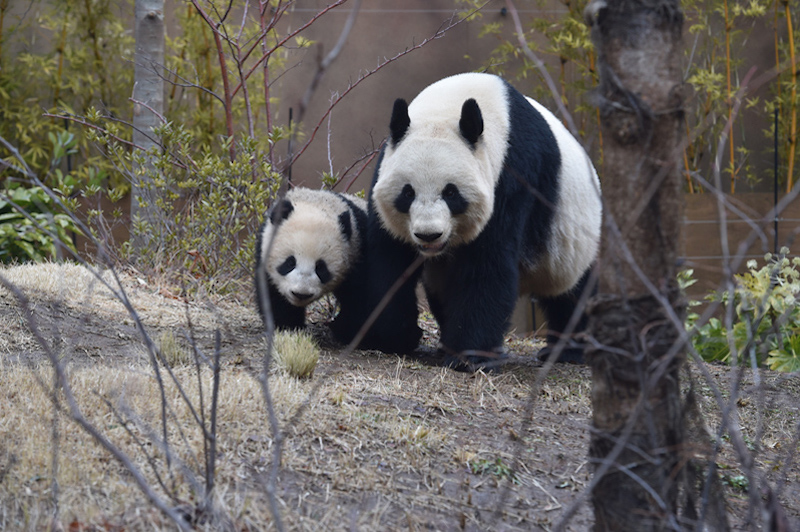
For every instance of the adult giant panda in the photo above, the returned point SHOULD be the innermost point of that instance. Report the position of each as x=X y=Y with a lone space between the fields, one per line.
x=500 y=200
x=318 y=241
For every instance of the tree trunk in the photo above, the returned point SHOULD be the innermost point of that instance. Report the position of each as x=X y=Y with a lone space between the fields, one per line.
x=637 y=412
x=148 y=105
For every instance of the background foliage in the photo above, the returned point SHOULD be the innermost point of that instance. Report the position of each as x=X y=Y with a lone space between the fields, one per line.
x=719 y=36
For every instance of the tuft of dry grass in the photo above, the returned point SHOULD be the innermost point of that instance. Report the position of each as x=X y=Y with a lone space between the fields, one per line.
x=296 y=353
x=172 y=350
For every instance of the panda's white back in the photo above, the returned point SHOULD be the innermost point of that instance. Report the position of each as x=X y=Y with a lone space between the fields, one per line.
x=575 y=233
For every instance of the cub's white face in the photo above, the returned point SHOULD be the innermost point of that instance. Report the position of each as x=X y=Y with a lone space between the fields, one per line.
x=430 y=194
x=309 y=256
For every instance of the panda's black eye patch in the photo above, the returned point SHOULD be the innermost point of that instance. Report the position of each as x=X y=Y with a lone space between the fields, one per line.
x=455 y=201
x=287 y=266
x=321 y=269
x=404 y=200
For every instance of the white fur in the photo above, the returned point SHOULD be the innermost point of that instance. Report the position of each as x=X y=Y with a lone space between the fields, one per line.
x=311 y=232
x=575 y=237
x=433 y=153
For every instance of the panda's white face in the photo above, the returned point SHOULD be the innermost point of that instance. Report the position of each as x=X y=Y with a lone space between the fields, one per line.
x=309 y=256
x=436 y=183
x=430 y=194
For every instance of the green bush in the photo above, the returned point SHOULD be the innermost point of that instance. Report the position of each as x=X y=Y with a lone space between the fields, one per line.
x=35 y=234
x=766 y=317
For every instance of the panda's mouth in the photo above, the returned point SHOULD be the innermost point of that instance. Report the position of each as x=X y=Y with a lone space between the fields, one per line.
x=301 y=299
x=431 y=250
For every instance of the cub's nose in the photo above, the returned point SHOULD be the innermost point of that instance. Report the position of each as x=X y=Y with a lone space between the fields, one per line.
x=301 y=295
x=427 y=237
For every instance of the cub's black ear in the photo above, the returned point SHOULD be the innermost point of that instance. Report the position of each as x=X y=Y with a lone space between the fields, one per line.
x=345 y=225
x=471 y=123
x=281 y=211
x=400 y=120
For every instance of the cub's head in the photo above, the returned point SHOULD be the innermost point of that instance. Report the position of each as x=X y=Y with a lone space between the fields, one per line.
x=435 y=187
x=311 y=252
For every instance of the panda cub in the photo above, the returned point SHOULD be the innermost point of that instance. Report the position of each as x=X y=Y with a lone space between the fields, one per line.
x=498 y=198
x=317 y=238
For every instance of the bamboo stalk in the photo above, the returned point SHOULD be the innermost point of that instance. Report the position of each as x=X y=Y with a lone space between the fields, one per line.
x=777 y=57
x=728 y=27
x=3 y=9
x=59 y=72
x=686 y=160
x=596 y=80
x=793 y=130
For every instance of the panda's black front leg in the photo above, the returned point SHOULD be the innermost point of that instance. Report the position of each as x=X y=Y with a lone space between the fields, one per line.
x=475 y=296
x=285 y=315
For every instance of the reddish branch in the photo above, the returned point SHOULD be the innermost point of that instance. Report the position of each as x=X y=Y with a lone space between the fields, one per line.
x=439 y=33
x=266 y=55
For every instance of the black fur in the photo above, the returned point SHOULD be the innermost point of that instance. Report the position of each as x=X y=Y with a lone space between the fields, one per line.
x=383 y=262
x=281 y=211
x=473 y=289
x=345 y=225
x=400 y=121
x=473 y=304
x=455 y=201
x=403 y=201
x=559 y=313
x=471 y=122
x=321 y=269
x=287 y=266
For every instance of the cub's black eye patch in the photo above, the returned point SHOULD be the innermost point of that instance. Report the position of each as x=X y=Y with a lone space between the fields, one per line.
x=321 y=269
x=287 y=266
x=454 y=200
x=404 y=200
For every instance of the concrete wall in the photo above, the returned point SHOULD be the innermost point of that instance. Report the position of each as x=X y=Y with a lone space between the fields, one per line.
x=383 y=29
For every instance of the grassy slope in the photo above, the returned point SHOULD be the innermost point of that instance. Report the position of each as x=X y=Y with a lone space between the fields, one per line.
x=372 y=440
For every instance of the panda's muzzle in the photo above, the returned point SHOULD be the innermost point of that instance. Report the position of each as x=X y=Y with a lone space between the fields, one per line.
x=301 y=297
x=429 y=245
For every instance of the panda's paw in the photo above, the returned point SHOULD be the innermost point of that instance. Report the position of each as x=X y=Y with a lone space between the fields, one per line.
x=570 y=354
x=472 y=360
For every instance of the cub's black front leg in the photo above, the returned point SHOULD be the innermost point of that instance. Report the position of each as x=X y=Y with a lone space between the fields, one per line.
x=395 y=330
x=286 y=315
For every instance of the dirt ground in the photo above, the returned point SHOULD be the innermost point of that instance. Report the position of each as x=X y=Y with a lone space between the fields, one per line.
x=371 y=442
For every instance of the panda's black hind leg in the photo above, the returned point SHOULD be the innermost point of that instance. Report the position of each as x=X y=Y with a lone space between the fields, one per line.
x=558 y=311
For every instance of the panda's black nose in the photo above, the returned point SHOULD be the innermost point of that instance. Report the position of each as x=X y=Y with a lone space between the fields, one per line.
x=301 y=295
x=427 y=237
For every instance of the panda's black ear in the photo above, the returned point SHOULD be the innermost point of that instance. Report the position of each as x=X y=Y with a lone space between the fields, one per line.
x=471 y=123
x=281 y=211
x=345 y=225
x=400 y=120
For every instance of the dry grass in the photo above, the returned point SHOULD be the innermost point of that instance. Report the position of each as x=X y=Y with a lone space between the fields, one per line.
x=372 y=441
x=296 y=353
